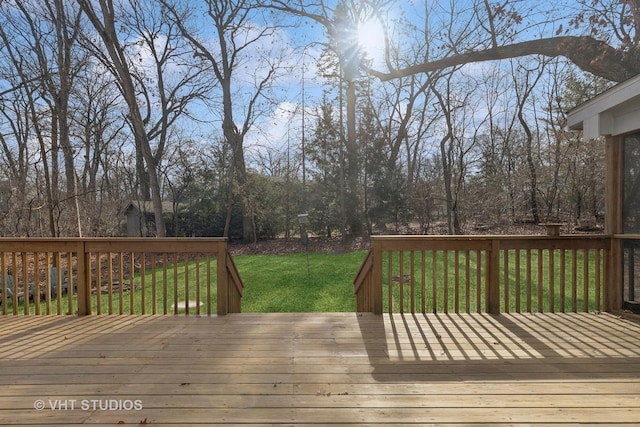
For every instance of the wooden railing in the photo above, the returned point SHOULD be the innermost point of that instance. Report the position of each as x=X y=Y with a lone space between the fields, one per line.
x=491 y=274
x=118 y=276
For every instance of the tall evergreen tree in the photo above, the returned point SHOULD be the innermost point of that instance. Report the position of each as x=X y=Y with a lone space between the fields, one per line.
x=325 y=157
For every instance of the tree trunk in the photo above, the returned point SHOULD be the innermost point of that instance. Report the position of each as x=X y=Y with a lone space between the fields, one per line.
x=446 y=175
x=238 y=169
x=352 y=199
x=533 y=176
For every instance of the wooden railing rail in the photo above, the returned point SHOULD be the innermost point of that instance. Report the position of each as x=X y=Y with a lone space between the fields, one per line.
x=234 y=285
x=118 y=276
x=363 y=285
x=491 y=274
x=37 y=270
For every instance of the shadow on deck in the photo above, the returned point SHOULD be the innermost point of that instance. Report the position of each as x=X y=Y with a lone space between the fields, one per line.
x=507 y=347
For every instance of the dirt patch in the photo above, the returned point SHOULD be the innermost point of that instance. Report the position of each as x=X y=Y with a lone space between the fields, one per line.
x=323 y=245
x=295 y=245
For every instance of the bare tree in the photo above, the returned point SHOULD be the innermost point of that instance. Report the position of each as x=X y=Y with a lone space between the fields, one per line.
x=525 y=82
x=170 y=78
x=492 y=187
x=239 y=29
x=104 y=22
x=153 y=68
x=18 y=156
x=455 y=145
x=98 y=124
x=40 y=40
x=100 y=132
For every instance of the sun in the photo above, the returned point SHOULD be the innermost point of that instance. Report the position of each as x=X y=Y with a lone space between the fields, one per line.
x=371 y=39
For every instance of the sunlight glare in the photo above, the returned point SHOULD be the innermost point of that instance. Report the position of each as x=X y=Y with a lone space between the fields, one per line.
x=371 y=39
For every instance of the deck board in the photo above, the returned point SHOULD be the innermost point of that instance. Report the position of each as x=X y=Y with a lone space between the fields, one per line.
x=322 y=368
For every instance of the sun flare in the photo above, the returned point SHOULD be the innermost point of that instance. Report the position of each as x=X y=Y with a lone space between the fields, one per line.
x=371 y=38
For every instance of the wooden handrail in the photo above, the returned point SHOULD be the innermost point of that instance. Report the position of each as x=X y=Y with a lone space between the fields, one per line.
x=362 y=285
x=235 y=285
x=491 y=274
x=365 y=270
x=118 y=276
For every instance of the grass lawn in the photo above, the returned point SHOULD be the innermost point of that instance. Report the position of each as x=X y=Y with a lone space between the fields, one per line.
x=281 y=283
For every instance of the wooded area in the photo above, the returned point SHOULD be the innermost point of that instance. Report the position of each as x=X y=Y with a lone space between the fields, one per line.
x=242 y=114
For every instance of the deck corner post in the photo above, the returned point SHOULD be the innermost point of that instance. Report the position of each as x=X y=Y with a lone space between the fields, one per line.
x=377 y=276
x=493 y=278
x=83 y=284
x=222 y=279
x=613 y=278
x=614 y=227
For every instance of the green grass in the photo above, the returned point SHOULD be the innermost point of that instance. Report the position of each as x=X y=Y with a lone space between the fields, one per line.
x=281 y=283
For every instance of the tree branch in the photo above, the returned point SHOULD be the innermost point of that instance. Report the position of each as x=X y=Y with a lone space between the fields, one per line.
x=589 y=54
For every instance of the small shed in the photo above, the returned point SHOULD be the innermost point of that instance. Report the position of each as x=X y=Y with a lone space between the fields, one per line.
x=615 y=115
x=141 y=218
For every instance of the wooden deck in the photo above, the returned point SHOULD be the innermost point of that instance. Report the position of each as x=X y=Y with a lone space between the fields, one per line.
x=321 y=368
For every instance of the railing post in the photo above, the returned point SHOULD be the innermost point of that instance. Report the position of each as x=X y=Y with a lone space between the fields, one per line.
x=83 y=264
x=613 y=276
x=493 y=278
x=222 y=279
x=613 y=226
x=376 y=292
